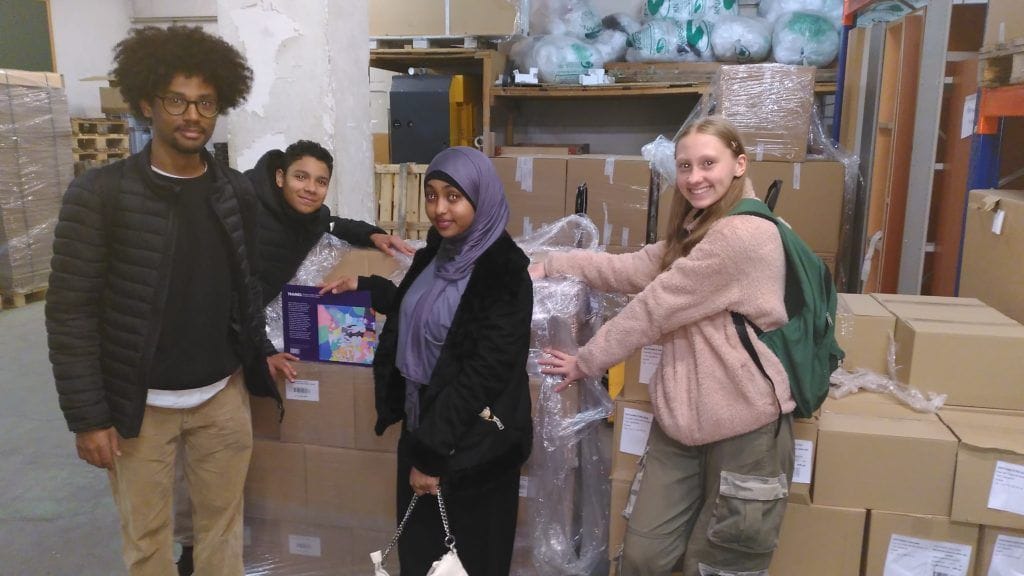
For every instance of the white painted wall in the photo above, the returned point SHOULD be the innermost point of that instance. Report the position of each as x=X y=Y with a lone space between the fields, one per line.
x=309 y=64
x=84 y=34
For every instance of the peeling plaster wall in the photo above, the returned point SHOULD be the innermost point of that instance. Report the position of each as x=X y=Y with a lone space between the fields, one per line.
x=309 y=63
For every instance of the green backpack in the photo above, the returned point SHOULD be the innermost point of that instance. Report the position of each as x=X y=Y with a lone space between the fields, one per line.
x=806 y=345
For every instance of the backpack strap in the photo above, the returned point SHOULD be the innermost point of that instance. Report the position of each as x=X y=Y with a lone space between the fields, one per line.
x=740 y=322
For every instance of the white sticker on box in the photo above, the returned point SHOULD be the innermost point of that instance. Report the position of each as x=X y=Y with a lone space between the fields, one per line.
x=759 y=152
x=1007 y=556
x=970 y=113
x=524 y=173
x=650 y=359
x=305 y=390
x=797 y=169
x=636 y=428
x=625 y=235
x=997 y=221
x=304 y=545
x=524 y=486
x=606 y=235
x=803 y=461
x=527 y=226
x=1007 y=491
x=609 y=169
x=909 y=556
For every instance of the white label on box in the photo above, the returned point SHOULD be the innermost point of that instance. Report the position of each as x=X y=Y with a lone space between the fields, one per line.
x=625 y=235
x=997 y=222
x=970 y=111
x=524 y=173
x=636 y=427
x=650 y=359
x=1007 y=492
x=606 y=235
x=759 y=152
x=918 y=557
x=304 y=545
x=797 y=169
x=803 y=461
x=1007 y=556
x=609 y=169
x=527 y=226
x=524 y=486
x=306 y=390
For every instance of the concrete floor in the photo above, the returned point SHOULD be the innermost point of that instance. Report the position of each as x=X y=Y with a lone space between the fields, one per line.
x=57 y=517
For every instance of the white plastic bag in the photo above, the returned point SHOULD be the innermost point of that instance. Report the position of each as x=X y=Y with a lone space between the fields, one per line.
x=741 y=39
x=666 y=39
x=805 y=38
x=683 y=10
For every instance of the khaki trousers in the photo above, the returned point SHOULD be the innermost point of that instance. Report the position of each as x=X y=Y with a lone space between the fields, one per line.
x=217 y=441
x=718 y=506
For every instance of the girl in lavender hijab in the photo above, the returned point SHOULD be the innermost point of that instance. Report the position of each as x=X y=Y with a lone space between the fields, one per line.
x=451 y=369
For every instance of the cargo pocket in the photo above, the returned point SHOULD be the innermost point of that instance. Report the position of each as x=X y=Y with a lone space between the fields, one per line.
x=706 y=570
x=748 y=512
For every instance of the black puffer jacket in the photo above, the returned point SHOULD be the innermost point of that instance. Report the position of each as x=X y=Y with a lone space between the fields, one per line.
x=112 y=255
x=482 y=365
x=286 y=236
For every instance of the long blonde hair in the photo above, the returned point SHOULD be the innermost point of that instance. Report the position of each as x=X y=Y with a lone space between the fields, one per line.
x=680 y=240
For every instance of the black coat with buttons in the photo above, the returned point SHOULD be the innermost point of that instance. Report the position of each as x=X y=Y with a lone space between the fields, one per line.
x=482 y=365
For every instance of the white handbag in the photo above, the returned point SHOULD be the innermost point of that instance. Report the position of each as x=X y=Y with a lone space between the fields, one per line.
x=448 y=565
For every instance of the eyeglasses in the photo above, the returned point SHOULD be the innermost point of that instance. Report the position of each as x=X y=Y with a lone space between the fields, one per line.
x=176 y=106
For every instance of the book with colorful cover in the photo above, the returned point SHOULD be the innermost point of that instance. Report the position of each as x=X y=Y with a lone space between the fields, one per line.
x=330 y=327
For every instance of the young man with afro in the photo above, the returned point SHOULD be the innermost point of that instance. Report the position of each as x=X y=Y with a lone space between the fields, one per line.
x=154 y=313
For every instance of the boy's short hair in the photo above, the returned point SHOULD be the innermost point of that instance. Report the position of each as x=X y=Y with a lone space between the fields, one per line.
x=302 y=148
x=147 y=60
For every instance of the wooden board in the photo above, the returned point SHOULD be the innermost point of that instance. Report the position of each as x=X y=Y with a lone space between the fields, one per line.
x=1002 y=66
x=681 y=73
x=19 y=299
x=401 y=208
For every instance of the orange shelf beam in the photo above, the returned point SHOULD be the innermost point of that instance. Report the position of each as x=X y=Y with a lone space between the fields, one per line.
x=996 y=103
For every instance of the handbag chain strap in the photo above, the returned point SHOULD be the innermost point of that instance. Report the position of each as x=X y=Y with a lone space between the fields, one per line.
x=449 y=540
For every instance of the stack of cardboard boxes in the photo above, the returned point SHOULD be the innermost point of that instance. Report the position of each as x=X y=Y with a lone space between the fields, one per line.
x=879 y=488
x=320 y=495
x=35 y=170
x=401 y=18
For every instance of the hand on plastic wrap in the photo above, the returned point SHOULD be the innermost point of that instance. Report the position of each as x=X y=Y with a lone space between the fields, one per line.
x=98 y=447
x=561 y=364
x=388 y=244
x=538 y=271
x=343 y=284
x=421 y=483
x=281 y=366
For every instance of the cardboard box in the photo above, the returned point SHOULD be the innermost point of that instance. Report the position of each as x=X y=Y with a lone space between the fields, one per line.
x=351 y=488
x=633 y=421
x=989 y=487
x=365 y=407
x=275 y=487
x=535 y=188
x=319 y=406
x=945 y=308
x=382 y=148
x=811 y=199
x=266 y=418
x=364 y=262
x=819 y=541
x=864 y=329
x=616 y=521
x=976 y=365
x=993 y=241
x=805 y=437
x=884 y=456
x=1004 y=22
x=1000 y=552
x=617 y=195
x=639 y=371
x=778 y=132
x=297 y=548
x=112 y=102
x=481 y=17
x=405 y=18
x=918 y=544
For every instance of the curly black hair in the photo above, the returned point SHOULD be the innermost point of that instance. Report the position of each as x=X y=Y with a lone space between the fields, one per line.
x=302 y=148
x=148 y=59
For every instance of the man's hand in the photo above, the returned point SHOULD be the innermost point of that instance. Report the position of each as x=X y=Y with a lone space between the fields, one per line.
x=98 y=447
x=280 y=364
x=388 y=244
x=343 y=284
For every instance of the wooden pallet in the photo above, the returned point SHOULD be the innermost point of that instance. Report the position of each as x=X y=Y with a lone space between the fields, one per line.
x=98 y=126
x=101 y=142
x=434 y=42
x=681 y=73
x=17 y=299
x=98 y=155
x=1002 y=65
x=398 y=189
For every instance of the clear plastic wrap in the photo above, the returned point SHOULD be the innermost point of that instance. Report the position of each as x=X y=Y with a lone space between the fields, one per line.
x=670 y=40
x=772 y=10
x=741 y=39
x=843 y=383
x=683 y=10
x=36 y=168
x=805 y=38
x=574 y=18
x=558 y=59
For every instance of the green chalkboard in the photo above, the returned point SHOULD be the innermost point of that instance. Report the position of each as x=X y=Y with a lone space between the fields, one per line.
x=25 y=35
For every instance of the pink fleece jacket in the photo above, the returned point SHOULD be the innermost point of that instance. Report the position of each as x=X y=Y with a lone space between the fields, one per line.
x=707 y=388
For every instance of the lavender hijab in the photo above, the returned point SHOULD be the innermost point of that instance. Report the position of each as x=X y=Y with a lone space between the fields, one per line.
x=455 y=259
